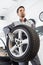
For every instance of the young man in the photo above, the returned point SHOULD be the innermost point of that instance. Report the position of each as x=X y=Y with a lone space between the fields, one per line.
x=22 y=20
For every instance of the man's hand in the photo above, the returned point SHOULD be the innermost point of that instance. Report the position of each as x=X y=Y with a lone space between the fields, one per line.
x=11 y=36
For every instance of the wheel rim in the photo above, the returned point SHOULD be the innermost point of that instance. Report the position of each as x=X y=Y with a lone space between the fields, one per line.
x=20 y=44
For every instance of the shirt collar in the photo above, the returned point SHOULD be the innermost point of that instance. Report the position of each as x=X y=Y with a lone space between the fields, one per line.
x=24 y=20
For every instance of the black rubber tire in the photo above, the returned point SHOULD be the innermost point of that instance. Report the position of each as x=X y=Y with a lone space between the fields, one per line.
x=33 y=48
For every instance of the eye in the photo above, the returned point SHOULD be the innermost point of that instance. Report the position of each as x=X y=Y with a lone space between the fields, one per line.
x=20 y=10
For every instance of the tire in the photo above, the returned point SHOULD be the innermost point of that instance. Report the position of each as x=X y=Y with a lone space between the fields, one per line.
x=32 y=47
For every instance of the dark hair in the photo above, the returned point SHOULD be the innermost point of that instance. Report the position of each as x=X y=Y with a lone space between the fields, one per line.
x=19 y=8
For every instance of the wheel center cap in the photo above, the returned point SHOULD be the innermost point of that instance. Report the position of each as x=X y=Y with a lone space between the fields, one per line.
x=18 y=42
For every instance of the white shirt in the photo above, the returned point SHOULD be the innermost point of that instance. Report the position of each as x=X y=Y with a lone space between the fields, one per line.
x=28 y=23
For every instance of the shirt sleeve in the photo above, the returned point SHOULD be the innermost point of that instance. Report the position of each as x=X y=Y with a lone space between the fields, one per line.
x=8 y=28
x=32 y=24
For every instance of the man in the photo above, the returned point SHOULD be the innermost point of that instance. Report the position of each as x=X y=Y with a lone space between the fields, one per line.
x=24 y=21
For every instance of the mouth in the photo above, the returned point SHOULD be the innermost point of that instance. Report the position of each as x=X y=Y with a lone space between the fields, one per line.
x=23 y=15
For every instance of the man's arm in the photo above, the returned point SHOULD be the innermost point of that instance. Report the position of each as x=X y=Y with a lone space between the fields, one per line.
x=33 y=23
x=8 y=28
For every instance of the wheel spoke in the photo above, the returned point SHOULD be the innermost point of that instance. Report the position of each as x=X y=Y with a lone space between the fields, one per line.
x=16 y=51
x=13 y=48
x=19 y=34
x=25 y=41
x=20 y=50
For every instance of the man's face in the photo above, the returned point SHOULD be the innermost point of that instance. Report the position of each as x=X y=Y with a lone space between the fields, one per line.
x=21 y=12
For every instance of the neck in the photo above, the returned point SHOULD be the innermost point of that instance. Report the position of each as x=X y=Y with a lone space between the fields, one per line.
x=22 y=19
